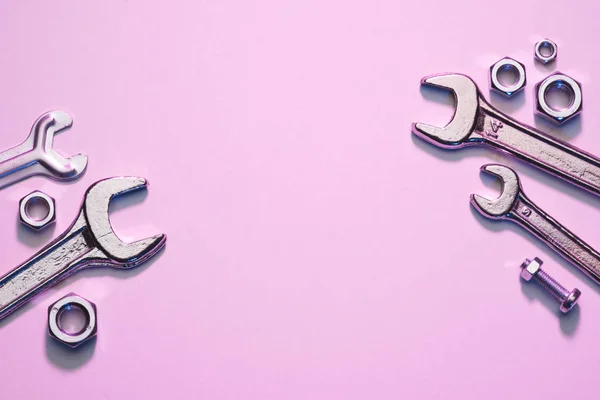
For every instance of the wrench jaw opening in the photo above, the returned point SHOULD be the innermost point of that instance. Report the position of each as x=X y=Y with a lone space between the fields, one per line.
x=458 y=131
x=501 y=207
x=116 y=253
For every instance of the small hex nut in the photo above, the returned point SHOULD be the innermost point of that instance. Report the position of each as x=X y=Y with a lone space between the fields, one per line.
x=545 y=51
x=27 y=201
x=56 y=312
x=558 y=82
x=530 y=267
x=508 y=90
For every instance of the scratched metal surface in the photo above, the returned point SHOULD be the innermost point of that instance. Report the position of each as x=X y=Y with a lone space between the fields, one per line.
x=317 y=249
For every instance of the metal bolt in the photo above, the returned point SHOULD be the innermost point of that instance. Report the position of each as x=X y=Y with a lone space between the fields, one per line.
x=532 y=269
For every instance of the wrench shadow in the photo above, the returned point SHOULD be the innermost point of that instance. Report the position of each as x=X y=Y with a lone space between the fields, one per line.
x=568 y=322
x=15 y=314
x=456 y=154
x=522 y=168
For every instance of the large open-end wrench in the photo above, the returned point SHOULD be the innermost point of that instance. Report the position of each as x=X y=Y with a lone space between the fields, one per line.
x=514 y=206
x=89 y=242
x=35 y=155
x=476 y=122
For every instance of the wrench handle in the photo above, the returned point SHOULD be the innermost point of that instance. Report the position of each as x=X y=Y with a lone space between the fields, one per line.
x=64 y=256
x=539 y=149
x=556 y=236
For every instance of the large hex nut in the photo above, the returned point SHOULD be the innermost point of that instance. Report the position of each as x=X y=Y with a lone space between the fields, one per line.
x=517 y=68
x=545 y=51
x=57 y=312
x=27 y=201
x=558 y=82
x=530 y=268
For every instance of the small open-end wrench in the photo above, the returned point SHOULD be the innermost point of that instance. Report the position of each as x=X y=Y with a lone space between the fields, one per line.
x=514 y=206
x=35 y=155
x=476 y=122
x=89 y=242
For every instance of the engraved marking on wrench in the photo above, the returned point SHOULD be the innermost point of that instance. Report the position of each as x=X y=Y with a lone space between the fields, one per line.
x=528 y=144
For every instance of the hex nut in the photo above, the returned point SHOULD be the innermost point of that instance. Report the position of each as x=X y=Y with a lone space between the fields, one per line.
x=55 y=312
x=517 y=86
x=558 y=81
x=530 y=268
x=37 y=224
x=538 y=51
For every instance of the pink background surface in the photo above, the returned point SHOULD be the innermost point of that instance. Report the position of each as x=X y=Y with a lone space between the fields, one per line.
x=316 y=249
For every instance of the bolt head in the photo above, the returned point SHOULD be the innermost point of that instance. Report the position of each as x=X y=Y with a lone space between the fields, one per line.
x=530 y=267
x=571 y=300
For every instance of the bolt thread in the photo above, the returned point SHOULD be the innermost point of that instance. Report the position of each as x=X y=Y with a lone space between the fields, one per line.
x=551 y=286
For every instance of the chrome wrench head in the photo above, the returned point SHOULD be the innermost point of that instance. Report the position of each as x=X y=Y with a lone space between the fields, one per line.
x=95 y=209
x=42 y=137
x=511 y=187
x=462 y=125
x=89 y=242
x=35 y=155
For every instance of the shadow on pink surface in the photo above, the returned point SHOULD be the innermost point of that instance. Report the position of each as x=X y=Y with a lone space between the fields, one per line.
x=67 y=358
x=100 y=271
x=569 y=322
x=33 y=239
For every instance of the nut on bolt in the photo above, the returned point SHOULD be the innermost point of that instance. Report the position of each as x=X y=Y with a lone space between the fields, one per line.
x=28 y=201
x=530 y=267
x=61 y=330
x=507 y=89
x=558 y=84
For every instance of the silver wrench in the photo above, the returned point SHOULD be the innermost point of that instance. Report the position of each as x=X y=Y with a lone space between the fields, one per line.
x=476 y=122
x=514 y=206
x=35 y=155
x=89 y=242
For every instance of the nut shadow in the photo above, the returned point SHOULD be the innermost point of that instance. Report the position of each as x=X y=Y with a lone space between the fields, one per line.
x=32 y=238
x=67 y=358
x=547 y=69
x=565 y=132
x=508 y=104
